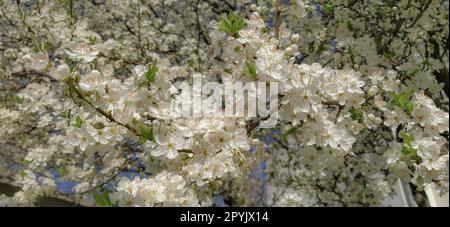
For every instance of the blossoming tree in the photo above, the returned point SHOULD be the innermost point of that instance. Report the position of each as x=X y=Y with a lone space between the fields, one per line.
x=88 y=91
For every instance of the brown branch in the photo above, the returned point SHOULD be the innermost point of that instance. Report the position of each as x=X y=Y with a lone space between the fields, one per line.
x=73 y=87
x=277 y=18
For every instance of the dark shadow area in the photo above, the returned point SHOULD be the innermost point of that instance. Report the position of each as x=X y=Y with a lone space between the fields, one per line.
x=42 y=202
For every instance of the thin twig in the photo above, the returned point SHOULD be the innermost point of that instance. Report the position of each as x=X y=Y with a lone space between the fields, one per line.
x=277 y=18
x=99 y=110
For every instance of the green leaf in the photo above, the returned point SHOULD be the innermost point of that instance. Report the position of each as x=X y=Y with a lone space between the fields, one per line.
x=79 y=122
x=61 y=171
x=407 y=137
x=72 y=67
x=17 y=99
x=350 y=26
x=225 y=26
x=356 y=114
x=98 y=125
x=232 y=24
x=22 y=173
x=145 y=132
x=251 y=69
x=328 y=7
x=402 y=100
x=229 y=71
x=142 y=140
x=67 y=113
x=151 y=73
x=408 y=150
x=191 y=63
x=103 y=200
x=42 y=46
x=92 y=40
